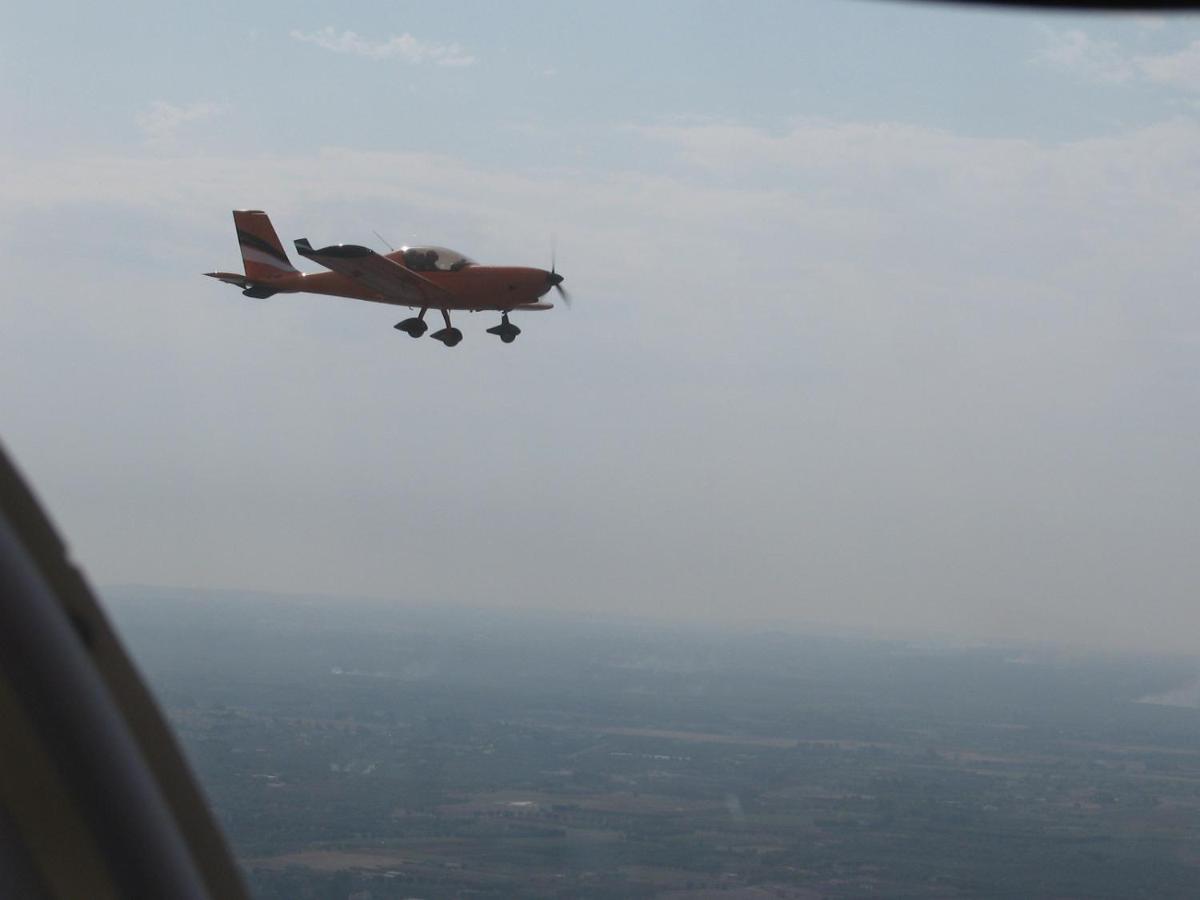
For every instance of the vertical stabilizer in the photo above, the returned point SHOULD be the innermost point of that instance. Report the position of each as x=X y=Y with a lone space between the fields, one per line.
x=262 y=254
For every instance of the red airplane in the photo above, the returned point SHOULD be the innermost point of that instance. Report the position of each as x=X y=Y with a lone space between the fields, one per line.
x=422 y=277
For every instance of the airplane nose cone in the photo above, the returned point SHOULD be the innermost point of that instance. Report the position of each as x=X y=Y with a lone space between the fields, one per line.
x=554 y=278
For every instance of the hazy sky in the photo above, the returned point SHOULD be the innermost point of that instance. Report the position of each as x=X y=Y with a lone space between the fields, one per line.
x=885 y=315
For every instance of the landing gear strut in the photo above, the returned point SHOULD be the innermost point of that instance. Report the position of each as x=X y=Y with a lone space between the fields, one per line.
x=414 y=327
x=450 y=336
x=506 y=330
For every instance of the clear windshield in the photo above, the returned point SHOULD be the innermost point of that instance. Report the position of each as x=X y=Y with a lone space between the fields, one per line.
x=440 y=259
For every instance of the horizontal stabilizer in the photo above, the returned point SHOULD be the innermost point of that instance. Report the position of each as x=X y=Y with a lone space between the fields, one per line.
x=249 y=287
x=231 y=278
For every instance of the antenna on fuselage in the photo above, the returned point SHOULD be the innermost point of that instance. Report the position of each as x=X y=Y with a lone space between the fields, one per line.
x=385 y=243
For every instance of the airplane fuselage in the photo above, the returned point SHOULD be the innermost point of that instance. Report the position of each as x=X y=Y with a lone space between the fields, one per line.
x=473 y=288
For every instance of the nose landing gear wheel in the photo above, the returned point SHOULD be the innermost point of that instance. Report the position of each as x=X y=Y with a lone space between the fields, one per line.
x=506 y=330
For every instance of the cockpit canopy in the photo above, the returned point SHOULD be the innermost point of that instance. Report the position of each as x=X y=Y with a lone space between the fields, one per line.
x=435 y=259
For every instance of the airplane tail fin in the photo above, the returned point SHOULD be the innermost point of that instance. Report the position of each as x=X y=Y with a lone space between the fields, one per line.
x=262 y=255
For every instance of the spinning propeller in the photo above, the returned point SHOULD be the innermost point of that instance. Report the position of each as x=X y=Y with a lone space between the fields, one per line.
x=555 y=279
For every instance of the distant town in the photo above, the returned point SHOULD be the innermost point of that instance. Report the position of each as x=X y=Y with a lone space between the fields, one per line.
x=357 y=750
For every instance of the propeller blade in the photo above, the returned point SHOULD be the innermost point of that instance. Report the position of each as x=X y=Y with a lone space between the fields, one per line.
x=554 y=278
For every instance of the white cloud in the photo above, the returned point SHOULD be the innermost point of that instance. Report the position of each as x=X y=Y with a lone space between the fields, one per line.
x=1075 y=51
x=403 y=46
x=1106 y=62
x=1180 y=69
x=161 y=121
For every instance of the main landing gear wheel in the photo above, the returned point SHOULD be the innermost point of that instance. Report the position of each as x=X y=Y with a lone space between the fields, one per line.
x=414 y=327
x=450 y=336
x=506 y=330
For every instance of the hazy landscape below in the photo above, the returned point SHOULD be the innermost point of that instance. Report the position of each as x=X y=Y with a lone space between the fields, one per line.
x=359 y=749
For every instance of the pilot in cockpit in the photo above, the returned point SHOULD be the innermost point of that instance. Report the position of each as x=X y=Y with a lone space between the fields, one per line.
x=421 y=260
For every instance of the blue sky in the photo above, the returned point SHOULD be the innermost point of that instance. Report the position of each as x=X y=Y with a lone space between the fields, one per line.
x=885 y=313
x=547 y=76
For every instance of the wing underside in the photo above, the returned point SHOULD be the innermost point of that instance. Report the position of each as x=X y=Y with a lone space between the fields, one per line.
x=392 y=281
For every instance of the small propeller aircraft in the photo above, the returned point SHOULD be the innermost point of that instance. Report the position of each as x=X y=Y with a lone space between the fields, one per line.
x=424 y=278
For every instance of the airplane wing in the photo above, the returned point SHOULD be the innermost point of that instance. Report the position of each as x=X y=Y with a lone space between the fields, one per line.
x=390 y=279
